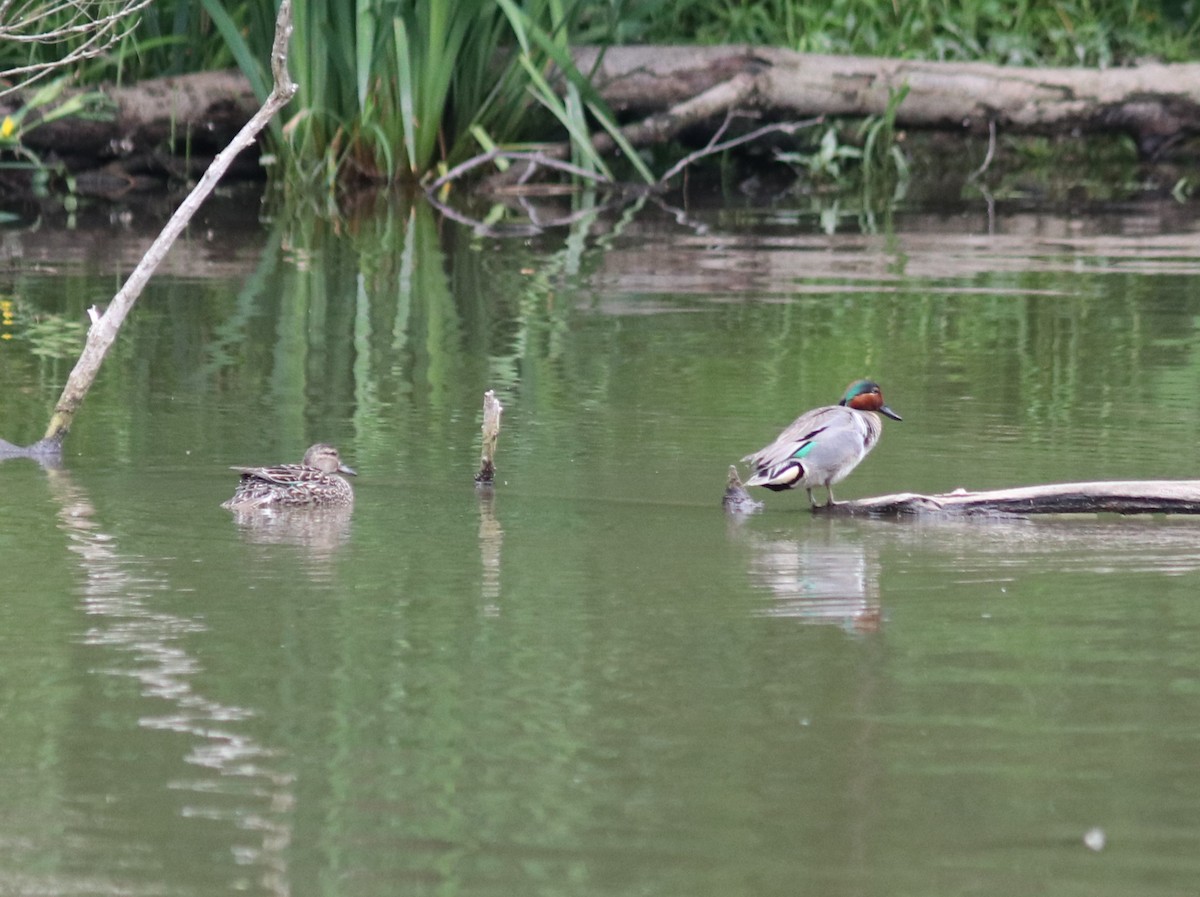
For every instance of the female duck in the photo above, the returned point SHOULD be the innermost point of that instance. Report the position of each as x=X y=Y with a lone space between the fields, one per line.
x=822 y=446
x=311 y=483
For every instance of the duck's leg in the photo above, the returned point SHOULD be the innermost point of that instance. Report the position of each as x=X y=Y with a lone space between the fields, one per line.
x=812 y=503
x=831 y=502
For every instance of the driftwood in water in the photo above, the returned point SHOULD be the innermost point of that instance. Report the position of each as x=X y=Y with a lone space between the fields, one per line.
x=492 y=410
x=106 y=326
x=1117 y=497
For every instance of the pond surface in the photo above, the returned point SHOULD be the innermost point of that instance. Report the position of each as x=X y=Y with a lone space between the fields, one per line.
x=592 y=681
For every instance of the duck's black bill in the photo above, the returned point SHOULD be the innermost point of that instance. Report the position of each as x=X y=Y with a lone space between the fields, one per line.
x=890 y=413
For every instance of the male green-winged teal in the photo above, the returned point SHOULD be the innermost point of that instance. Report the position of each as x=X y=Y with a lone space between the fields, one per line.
x=314 y=482
x=822 y=446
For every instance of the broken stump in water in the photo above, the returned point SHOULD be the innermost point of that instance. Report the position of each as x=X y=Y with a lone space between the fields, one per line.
x=492 y=410
x=736 y=499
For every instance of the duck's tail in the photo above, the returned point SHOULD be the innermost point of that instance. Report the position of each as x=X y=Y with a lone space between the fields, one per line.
x=787 y=475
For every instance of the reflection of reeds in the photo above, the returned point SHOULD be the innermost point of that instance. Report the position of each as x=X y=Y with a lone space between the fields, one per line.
x=395 y=310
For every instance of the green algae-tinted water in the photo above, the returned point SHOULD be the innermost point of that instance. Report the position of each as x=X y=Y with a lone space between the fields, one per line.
x=592 y=681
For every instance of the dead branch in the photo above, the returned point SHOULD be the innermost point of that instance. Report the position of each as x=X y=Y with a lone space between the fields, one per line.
x=736 y=499
x=94 y=27
x=492 y=409
x=548 y=158
x=786 y=127
x=104 y=330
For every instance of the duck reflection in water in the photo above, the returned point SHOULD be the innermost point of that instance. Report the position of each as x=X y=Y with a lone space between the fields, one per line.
x=817 y=578
x=321 y=531
x=306 y=504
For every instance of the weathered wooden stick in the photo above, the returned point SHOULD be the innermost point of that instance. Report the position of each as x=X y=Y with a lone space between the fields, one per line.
x=492 y=410
x=1118 y=497
x=736 y=499
x=104 y=330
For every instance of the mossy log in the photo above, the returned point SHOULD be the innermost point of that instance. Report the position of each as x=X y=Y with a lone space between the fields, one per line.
x=160 y=127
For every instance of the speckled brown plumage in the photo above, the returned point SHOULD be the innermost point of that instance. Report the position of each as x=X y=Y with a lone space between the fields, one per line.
x=313 y=482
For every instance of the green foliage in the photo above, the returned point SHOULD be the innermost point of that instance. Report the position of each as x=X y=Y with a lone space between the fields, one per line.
x=171 y=38
x=53 y=336
x=827 y=161
x=883 y=162
x=45 y=104
x=1016 y=32
x=879 y=163
x=48 y=334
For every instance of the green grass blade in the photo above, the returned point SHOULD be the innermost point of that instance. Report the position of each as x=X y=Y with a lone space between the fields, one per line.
x=364 y=46
x=404 y=80
x=249 y=64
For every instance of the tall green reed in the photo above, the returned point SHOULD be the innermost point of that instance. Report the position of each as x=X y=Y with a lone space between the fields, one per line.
x=392 y=89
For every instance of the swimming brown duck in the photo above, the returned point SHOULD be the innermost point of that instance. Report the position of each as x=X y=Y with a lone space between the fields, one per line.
x=314 y=482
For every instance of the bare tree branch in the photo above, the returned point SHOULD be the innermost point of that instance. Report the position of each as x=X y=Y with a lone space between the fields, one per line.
x=784 y=127
x=90 y=29
x=104 y=330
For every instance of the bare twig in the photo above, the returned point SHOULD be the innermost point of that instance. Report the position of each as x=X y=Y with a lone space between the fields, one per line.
x=104 y=331
x=991 y=151
x=736 y=499
x=532 y=158
x=94 y=27
x=536 y=225
x=783 y=127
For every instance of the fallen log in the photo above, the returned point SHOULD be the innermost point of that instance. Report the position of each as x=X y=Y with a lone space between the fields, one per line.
x=660 y=90
x=678 y=88
x=1116 y=497
x=1153 y=102
x=172 y=125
